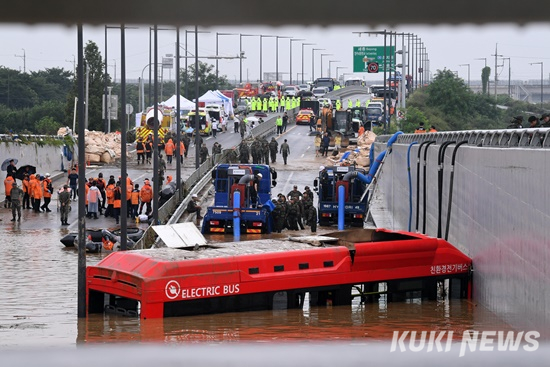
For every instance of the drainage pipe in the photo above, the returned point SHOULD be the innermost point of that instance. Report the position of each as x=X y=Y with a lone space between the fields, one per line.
x=451 y=187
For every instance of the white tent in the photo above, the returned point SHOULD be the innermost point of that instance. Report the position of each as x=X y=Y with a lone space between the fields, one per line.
x=211 y=97
x=185 y=104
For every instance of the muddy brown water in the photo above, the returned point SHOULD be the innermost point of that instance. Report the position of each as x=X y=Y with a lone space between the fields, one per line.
x=38 y=306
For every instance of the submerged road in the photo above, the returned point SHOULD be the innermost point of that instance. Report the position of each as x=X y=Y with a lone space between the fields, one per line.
x=38 y=285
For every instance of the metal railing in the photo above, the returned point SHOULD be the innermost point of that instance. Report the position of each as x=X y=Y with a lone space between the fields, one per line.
x=172 y=210
x=502 y=138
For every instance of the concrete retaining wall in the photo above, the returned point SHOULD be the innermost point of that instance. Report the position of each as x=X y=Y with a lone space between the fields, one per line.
x=45 y=158
x=500 y=216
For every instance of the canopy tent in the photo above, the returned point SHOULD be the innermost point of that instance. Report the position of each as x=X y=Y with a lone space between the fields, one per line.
x=219 y=99
x=185 y=104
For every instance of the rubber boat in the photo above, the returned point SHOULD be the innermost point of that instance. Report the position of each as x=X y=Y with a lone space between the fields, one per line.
x=95 y=236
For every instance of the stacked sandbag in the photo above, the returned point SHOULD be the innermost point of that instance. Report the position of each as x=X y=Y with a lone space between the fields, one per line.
x=101 y=147
x=358 y=155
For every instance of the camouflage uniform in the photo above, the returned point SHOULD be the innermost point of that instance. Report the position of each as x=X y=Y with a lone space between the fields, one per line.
x=292 y=217
x=273 y=147
x=243 y=153
x=265 y=150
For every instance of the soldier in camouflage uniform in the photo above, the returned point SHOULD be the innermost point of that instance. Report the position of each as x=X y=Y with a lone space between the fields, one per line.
x=255 y=151
x=16 y=194
x=243 y=153
x=277 y=216
x=311 y=215
x=273 y=148
x=293 y=213
x=265 y=150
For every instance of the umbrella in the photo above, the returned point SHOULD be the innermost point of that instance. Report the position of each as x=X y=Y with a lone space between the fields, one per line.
x=6 y=163
x=20 y=173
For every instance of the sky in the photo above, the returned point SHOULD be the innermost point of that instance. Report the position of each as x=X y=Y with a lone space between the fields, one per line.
x=32 y=48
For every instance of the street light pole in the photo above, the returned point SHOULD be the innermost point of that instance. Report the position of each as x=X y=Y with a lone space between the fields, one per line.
x=217 y=58
x=541 y=79
x=509 y=75
x=277 y=56
x=313 y=62
x=292 y=40
x=262 y=36
x=468 y=65
x=304 y=44
x=322 y=62
x=329 y=66
x=241 y=53
x=338 y=68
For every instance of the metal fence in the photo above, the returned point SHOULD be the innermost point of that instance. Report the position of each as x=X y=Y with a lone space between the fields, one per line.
x=172 y=210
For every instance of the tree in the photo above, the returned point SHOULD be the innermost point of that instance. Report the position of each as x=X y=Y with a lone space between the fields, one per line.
x=485 y=74
x=47 y=126
x=96 y=80
x=207 y=80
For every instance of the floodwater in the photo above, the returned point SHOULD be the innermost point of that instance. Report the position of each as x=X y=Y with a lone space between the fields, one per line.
x=38 y=306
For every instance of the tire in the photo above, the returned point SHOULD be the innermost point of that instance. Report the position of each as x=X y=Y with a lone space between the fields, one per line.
x=133 y=234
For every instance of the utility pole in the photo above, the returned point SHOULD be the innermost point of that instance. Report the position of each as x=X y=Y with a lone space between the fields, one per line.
x=496 y=55
x=509 y=75
x=24 y=57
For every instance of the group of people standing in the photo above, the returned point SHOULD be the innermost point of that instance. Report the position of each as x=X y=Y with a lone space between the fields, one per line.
x=534 y=122
x=294 y=210
x=273 y=104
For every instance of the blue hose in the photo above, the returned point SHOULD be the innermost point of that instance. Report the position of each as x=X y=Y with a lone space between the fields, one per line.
x=237 y=215
x=393 y=139
x=371 y=154
x=341 y=205
x=410 y=182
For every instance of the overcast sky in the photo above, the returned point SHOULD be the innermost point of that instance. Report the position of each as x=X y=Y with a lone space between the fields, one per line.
x=447 y=47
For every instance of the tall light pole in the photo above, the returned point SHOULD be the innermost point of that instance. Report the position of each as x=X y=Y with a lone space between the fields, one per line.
x=338 y=68
x=304 y=44
x=292 y=40
x=313 y=62
x=509 y=75
x=242 y=53
x=186 y=57
x=468 y=65
x=541 y=79
x=329 y=66
x=277 y=56
x=262 y=36
x=220 y=34
x=322 y=62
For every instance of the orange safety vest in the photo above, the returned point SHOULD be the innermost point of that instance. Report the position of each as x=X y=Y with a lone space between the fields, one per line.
x=8 y=185
x=47 y=193
x=110 y=194
x=135 y=197
x=26 y=186
x=36 y=189
x=169 y=147
x=117 y=202
x=182 y=148
x=146 y=193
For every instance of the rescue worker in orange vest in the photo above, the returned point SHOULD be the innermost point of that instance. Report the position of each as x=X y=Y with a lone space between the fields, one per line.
x=140 y=149
x=169 y=148
x=361 y=131
x=420 y=129
x=146 y=195
x=36 y=193
x=182 y=151
x=135 y=201
x=48 y=189
x=432 y=129
x=129 y=188
x=149 y=150
x=26 y=191
x=168 y=179
x=8 y=185
x=110 y=194
x=117 y=201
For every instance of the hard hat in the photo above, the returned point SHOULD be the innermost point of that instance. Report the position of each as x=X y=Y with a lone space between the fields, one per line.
x=260 y=175
x=194 y=196
x=47 y=175
x=321 y=168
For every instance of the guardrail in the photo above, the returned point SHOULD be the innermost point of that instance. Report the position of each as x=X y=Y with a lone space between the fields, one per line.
x=173 y=209
x=502 y=138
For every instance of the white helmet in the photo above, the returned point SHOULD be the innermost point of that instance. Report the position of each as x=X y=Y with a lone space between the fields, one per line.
x=321 y=168
x=260 y=175
x=47 y=175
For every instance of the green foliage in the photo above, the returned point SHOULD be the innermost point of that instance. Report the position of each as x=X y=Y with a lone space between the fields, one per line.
x=47 y=126
x=413 y=118
x=485 y=73
x=207 y=80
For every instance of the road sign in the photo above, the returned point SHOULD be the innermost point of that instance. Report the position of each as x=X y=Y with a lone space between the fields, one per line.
x=400 y=115
x=129 y=109
x=372 y=67
x=365 y=55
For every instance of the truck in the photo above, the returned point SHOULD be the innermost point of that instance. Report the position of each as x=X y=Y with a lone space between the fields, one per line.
x=255 y=215
x=354 y=180
x=166 y=117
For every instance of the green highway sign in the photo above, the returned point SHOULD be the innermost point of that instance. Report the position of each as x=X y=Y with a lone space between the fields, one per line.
x=365 y=55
